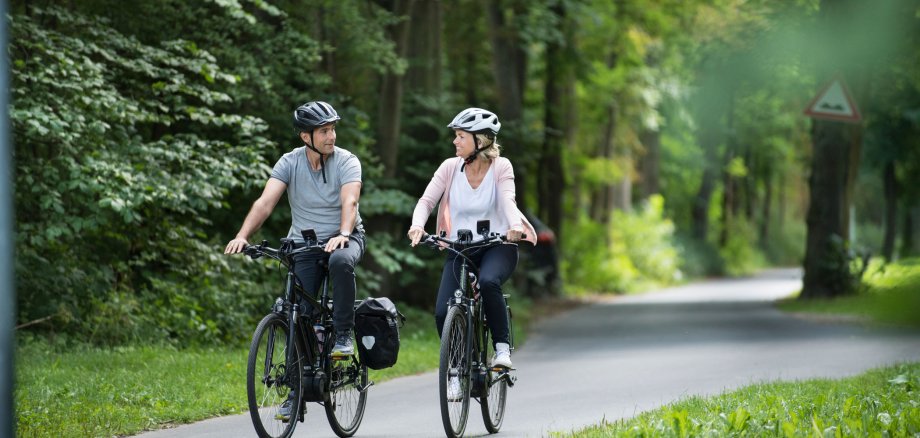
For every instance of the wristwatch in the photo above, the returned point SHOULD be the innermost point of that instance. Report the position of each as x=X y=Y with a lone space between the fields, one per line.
x=345 y=234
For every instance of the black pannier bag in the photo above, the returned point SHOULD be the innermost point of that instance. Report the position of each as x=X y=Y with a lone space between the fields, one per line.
x=377 y=331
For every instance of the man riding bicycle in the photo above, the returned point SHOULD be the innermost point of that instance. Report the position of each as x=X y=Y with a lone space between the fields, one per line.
x=323 y=184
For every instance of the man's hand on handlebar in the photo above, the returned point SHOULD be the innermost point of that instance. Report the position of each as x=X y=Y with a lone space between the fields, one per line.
x=236 y=245
x=336 y=242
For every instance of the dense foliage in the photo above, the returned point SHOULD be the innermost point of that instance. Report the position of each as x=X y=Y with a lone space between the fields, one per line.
x=128 y=156
x=656 y=140
x=123 y=151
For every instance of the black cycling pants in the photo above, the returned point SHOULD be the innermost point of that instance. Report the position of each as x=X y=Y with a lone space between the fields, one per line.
x=496 y=264
x=342 y=264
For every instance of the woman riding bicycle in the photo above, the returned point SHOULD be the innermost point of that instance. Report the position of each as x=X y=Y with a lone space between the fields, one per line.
x=477 y=184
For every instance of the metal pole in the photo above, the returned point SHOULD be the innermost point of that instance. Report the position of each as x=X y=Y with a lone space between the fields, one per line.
x=7 y=294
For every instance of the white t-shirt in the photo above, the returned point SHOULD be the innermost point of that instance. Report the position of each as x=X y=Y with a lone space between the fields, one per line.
x=468 y=205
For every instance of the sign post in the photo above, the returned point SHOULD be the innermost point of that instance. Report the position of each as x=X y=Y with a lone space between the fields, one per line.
x=7 y=295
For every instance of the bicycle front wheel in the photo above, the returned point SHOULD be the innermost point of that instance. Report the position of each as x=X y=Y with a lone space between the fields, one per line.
x=271 y=381
x=492 y=401
x=454 y=373
x=347 y=394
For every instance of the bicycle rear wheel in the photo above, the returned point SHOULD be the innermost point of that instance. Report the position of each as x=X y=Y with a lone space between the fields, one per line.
x=494 y=395
x=347 y=394
x=455 y=365
x=271 y=381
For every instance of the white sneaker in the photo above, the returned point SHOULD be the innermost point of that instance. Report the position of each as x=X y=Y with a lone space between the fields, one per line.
x=502 y=355
x=454 y=393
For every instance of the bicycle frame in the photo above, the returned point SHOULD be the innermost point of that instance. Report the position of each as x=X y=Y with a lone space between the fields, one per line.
x=303 y=369
x=475 y=327
x=473 y=311
x=308 y=337
x=471 y=304
x=302 y=334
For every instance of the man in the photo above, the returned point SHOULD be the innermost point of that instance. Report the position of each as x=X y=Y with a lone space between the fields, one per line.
x=323 y=184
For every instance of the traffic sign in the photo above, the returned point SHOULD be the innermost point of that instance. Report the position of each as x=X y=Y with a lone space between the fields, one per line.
x=834 y=103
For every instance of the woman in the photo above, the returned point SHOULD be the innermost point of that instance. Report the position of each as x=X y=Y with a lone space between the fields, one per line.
x=477 y=184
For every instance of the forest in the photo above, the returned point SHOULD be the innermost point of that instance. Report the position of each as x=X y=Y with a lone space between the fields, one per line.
x=653 y=141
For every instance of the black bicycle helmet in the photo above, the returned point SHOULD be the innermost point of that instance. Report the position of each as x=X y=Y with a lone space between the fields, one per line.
x=310 y=116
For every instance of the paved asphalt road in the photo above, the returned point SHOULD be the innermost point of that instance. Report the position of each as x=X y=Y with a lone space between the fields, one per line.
x=625 y=355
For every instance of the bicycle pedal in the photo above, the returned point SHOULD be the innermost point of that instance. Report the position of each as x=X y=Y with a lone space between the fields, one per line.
x=499 y=369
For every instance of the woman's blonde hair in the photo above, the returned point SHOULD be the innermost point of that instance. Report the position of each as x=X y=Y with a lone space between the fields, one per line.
x=490 y=148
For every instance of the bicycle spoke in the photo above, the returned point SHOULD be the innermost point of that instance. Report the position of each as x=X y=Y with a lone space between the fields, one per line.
x=345 y=403
x=270 y=387
x=454 y=371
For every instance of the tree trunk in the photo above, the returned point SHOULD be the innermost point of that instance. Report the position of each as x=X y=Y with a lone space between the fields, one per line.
x=834 y=167
x=605 y=198
x=749 y=184
x=621 y=192
x=827 y=271
x=700 y=210
x=389 y=114
x=650 y=164
x=728 y=197
x=765 y=208
x=729 y=182
x=908 y=246
x=508 y=60
x=389 y=120
x=424 y=51
x=509 y=65
x=890 y=184
x=560 y=91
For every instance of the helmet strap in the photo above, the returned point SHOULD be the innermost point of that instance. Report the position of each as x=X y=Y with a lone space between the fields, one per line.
x=472 y=157
x=322 y=158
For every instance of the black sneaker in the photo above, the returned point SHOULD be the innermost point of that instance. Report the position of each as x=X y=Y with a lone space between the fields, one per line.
x=343 y=345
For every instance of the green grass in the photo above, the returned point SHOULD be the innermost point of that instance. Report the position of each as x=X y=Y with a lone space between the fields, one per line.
x=91 y=392
x=83 y=391
x=891 y=295
x=880 y=402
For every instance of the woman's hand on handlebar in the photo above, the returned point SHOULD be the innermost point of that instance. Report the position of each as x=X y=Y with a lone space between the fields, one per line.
x=415 y=235
x=236 y=245
x=514 y=235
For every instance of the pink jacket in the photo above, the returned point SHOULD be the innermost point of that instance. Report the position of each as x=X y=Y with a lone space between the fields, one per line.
x=439 y=190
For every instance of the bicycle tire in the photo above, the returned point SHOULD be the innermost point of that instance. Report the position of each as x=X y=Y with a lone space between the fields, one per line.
x=268 y=380
x=454 y=362
x=494 y=396
x=345 y=400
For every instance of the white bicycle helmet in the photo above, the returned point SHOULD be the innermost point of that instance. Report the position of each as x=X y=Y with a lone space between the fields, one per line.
x=476 y=120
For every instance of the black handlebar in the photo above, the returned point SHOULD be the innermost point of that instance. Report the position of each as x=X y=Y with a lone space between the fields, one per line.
x=287 y=249
x=490 y=239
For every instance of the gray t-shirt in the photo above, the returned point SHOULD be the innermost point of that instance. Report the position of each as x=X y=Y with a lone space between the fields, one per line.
x=315 y=204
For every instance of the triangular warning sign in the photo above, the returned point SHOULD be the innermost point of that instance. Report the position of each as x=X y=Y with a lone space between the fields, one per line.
x=834 y=103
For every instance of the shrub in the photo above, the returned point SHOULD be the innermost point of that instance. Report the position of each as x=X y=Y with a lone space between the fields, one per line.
x=635 y=251
x=740 y=253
